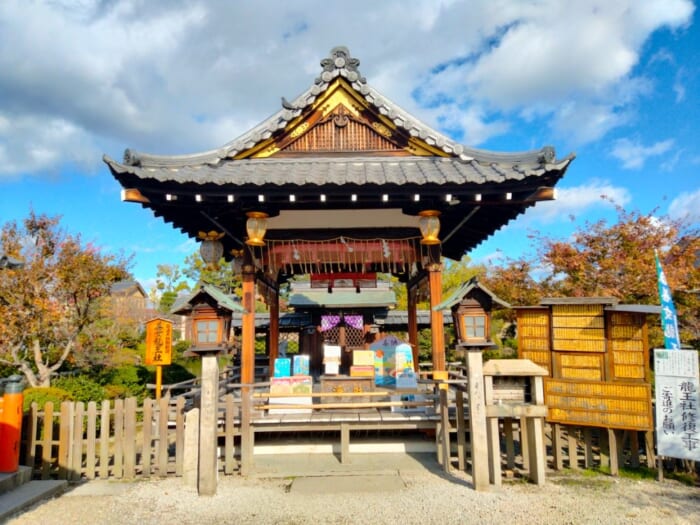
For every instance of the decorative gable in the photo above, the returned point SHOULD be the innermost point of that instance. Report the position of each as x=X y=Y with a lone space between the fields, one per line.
x=340 y=121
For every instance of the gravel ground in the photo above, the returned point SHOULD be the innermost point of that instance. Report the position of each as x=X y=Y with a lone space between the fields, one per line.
x=423 y=497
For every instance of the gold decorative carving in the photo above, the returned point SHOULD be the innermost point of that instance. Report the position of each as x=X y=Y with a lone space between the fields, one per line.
x=301 y=128
x=381 y=129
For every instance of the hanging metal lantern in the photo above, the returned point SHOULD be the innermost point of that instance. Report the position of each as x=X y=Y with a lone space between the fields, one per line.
x=256 y=226
x=429 y=225
x=211 y=249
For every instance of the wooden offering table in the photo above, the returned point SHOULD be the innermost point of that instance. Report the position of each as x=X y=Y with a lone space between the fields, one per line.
x=342 y=384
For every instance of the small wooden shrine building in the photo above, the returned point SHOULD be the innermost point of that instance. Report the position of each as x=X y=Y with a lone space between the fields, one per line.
x=339 y=183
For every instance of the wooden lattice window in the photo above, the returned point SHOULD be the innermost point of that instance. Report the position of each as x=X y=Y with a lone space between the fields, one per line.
x=474 y=325
x=344 y=330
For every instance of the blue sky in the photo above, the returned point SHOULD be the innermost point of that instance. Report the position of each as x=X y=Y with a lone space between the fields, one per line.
x=617 y=83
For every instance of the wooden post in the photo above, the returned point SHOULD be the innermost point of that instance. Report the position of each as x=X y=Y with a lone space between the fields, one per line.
x=247 y=435
x=524 y=443
x=147 y=431
x=493 y=436
x=535 y=431
x=159 y=381
x=274 y=330
x=649 y=448
x=445 y=430
x=47 y=443
x=510 y=445
x=461 y=431
x=572 y=446
x=229 y=445
x=191 y=456
x=248 y=326
x=588 y=447
x=557 y=455
x=437 y=329
x=206 y=484
x=612 y=450
x=477 y=420
x=413 y=325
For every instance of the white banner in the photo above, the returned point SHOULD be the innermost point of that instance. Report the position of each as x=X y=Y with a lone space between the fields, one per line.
x=677 y=403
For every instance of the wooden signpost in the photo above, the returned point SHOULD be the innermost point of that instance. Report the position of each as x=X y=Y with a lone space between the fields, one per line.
x=159 y=347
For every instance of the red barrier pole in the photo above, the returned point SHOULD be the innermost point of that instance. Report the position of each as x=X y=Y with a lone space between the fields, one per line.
x=11 y=424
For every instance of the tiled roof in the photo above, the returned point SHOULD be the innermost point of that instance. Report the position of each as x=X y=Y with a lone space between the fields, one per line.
x=339 y=64
x=184 y=305
x=341 y=171
x=342 y=298
x=457 y=295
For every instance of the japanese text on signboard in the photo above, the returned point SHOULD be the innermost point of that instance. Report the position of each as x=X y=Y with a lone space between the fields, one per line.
x=677 y=398
x=159 y=342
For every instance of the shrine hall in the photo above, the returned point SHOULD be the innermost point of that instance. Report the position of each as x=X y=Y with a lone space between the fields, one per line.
x=340 y=184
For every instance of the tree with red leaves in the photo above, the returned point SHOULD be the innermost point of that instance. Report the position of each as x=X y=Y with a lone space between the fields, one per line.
x=48 y=302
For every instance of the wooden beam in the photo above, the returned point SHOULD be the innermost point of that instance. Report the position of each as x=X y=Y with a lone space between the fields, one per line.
x=413 y=325
x=437 y=329
x=274 y=328
x=248 y=326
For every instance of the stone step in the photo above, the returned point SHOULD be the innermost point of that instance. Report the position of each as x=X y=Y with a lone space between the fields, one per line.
x=27 y=495
x=13 y=480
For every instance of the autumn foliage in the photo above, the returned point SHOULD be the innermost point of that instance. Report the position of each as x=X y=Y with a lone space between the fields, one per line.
x=55 y=297
x=612 y=260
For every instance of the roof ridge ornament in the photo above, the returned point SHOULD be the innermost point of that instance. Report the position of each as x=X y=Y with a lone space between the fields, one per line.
x=340 y=62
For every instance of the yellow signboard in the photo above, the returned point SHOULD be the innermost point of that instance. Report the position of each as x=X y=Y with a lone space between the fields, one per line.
x=159 y=342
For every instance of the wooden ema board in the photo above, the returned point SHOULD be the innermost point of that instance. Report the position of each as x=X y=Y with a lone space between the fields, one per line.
x=629 y=353
x=533 y=336
x=578 y=328
x=599 y=404
x=590 y=367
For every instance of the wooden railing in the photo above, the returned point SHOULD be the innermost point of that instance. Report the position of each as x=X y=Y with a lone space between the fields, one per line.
x=117 y=439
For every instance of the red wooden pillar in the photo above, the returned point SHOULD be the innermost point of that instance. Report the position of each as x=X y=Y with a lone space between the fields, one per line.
x=248 y=325
x=437 y=328
x=274 y=338
x=413 y=324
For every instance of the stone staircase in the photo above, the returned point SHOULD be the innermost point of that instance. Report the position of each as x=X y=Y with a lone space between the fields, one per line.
x=18 y=491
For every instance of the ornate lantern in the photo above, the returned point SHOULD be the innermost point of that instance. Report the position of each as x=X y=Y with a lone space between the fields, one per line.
x=256 y=226
x=429 y=225
x=211 y=249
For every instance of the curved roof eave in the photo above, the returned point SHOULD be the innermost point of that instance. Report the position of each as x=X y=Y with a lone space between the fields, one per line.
x=340 y=64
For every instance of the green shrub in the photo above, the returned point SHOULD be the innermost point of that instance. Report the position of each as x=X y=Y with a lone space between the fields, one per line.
x=174 y=373
x=43 y=395
x=82 y=388
x=126 y=381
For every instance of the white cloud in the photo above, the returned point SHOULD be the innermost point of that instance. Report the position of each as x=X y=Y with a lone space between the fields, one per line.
x=576 y=201
x=178 y=76
x=633 y=154
x=686 y=206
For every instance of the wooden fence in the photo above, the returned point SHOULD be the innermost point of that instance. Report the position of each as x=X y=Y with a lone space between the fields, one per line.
x=122 y=440
x=116 y=439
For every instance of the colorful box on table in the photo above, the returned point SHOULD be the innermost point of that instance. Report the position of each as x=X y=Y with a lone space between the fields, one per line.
x=291 y=385
x=363 y=358
x=391 y=357
x=362 y=371
x=331 y=359
x=283 y=367
x=301 y=365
